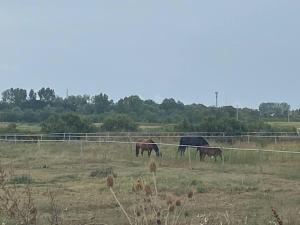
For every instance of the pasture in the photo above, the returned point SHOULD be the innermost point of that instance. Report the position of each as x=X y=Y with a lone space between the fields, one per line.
x=285 y=125
x=240 y=190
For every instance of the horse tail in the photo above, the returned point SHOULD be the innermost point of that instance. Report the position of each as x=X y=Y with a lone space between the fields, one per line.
x=221 y=153
x=156 y=149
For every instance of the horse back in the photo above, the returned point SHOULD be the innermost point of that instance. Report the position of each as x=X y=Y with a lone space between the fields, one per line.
x=210 y=151
x=193 y=141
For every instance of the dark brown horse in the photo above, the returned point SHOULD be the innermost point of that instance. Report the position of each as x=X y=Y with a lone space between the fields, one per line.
x=146 y=145
x=192 y=141
x=209 y=151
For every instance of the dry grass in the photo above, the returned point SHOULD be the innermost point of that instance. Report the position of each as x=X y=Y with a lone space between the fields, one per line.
x=242 y=191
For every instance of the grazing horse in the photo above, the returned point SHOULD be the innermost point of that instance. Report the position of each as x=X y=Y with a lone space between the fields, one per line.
x=209 y=151
x=191 y=141
x=148 y=145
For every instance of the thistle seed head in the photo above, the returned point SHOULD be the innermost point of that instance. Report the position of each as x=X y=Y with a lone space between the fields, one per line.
x=138 y=185
x=171 y=208
x=190 y=194
x=148 y=190
x=110 y=181
x=178 y=202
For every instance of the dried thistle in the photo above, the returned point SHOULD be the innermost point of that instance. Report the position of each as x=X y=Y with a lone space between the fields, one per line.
x=275 y=214
x=152 y=167
x=178 y=202
x=158 y=214
x=55 y=217
x=190 y=194
x=148 y=190
x=2 y=176
x=171 y=208
x=170 y=200
x=110 y=181
x=138 y=185
x=110 y=184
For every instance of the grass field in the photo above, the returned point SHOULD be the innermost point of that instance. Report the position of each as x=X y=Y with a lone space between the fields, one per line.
x=36 y=128
x=241 y=191
x=24 y=127
x=290 y=125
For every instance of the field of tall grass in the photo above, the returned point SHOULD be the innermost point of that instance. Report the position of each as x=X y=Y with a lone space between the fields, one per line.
x=66 y=183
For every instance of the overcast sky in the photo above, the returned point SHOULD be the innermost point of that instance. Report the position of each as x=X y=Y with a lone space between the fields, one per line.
x=248 y=51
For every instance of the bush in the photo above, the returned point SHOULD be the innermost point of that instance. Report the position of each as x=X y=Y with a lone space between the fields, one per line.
x=67 y=123
x=119 y=123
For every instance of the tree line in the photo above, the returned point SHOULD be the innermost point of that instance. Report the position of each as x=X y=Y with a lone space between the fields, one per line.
x=20 y=105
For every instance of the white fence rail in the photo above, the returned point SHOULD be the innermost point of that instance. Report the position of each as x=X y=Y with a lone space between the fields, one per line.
x=65 y=136
x=105 y=139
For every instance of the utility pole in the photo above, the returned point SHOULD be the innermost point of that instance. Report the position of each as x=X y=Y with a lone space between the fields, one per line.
x=216 y=93
x=237 y=113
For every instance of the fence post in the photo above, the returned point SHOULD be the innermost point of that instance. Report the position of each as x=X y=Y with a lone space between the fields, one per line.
x=260 y=165
x=81 y=152
x=222 y=154
x=39 y=144
x=190 y=161
x=130 y=141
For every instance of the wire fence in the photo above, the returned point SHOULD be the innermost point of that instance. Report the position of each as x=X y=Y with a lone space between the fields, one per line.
x=132 y=140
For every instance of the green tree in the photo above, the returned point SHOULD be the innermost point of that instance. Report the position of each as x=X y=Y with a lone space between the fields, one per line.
x=16 y=96
x=76 y=103
x=169 y=105
x=46 y=95
x=102 y=103
x=32 y=95
x=131 y=104
x=274 y=109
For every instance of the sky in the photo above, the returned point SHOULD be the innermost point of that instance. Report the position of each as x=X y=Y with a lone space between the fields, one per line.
x=248 y=51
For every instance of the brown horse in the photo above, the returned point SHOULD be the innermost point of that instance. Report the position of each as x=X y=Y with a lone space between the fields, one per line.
x=146 y=145
x=209 y=151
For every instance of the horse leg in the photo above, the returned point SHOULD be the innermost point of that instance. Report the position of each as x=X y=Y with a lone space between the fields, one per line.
x=142 y=152
x=202 y=155
x=182 y=151
x=137 y=151
x=149 y=152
